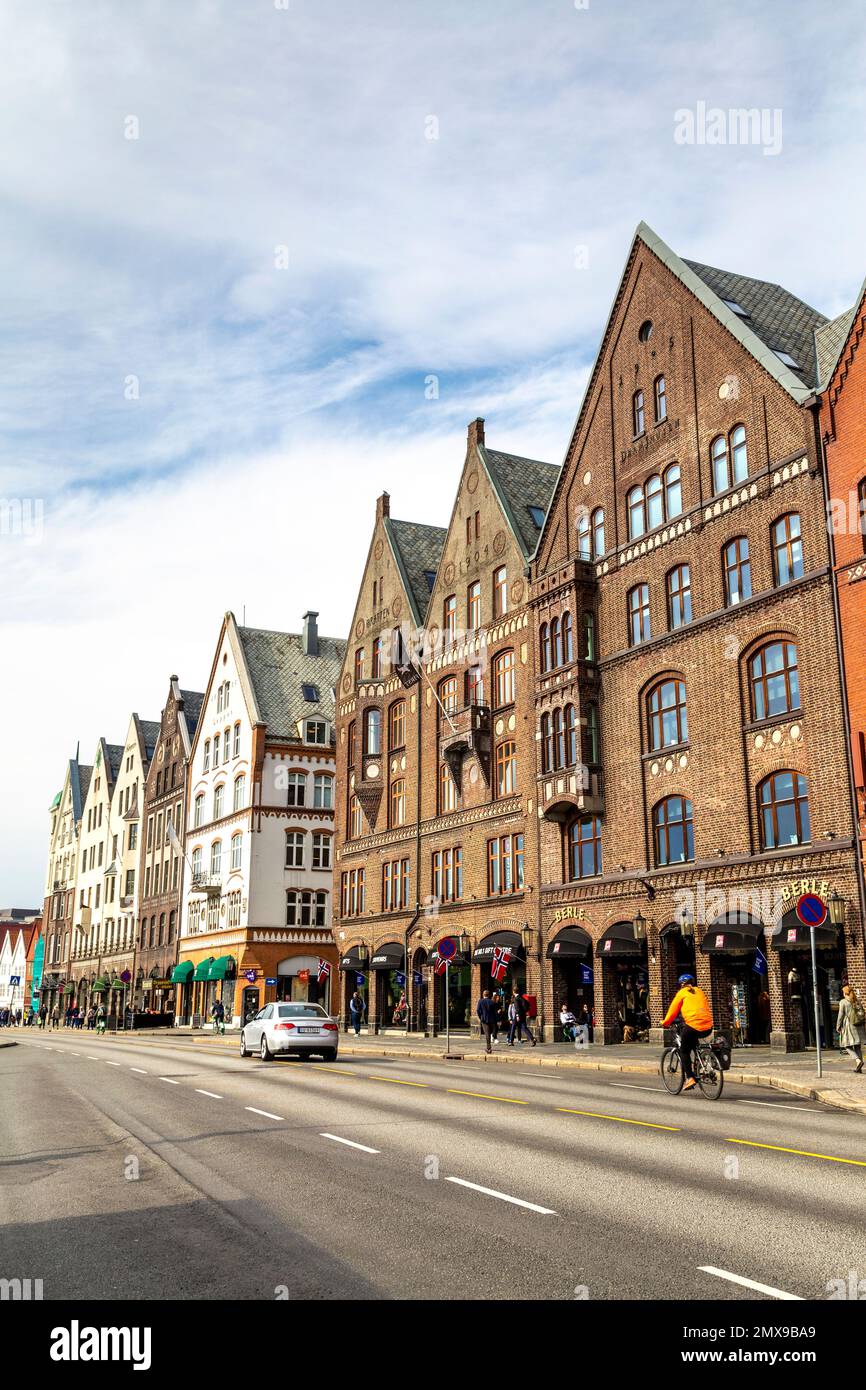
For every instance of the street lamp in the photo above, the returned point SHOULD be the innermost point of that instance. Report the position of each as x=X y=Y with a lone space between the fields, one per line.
x=836 y=908
x=639 y=925
x=527 y=935
x=465 y=944
x=362 y=954
x=687 y=926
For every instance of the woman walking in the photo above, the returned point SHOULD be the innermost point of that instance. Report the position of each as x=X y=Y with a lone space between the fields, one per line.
x=847 y=1026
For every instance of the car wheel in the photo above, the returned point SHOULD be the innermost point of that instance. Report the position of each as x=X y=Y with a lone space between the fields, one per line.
x=305 y=1056
x=266 y=1051
x=244 y=1051
x=329 y=1055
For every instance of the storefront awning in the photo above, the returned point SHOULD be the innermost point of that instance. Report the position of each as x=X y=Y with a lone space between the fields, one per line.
x=572 y=943
x=99 y=986
x=352 y=960
x=620 y=943
x=182 y=973
x=201 y=970
x=388 y=957
x=791 y=935
x=223 y=968
x=736 y=932
x=69 y=989
x=483 y=952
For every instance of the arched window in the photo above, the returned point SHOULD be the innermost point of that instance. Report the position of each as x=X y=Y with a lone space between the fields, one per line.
x=239 y=792
x=570 y=736
x=739 y=454
x=655 y=511
x=638 y=614
x=556 y=643
x=544 y=646
x=506 y=768
x=447 y=790
x=592 y=735
x=546 y=744
x=448 y=699
x=216 y=854
x=558 y=739
x=237 y=846
x=783 y=809
x=373 y=733
x=774 y=680
x=397 y=725
x=636 y=513
x=584 y=548
x=567 y=643
x=351 y=745
x=598 y=532
x=679 y=595
x=674 y=831
x=787 y=549
x=356 y=818
x=584 y=848
x=737 y=570
x=661 y=402
x=673 y=491
x=638 y=413
x=589 y=636
x=503 y=678
x=449 y=619
x=719 y=460
x=398 y=802
x=667 y=716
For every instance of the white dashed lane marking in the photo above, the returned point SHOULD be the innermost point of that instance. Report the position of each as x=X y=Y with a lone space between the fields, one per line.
x=502 y=1196
x=350 y=1142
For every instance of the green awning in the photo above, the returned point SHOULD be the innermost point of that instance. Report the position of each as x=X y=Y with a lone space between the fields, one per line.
x=201 y=970
x=117 y=983
x=69 y=989
x=99 y=986
x=182 y=973
x=223 y=968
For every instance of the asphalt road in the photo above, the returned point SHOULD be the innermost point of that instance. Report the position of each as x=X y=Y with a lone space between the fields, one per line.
x=163 y=1169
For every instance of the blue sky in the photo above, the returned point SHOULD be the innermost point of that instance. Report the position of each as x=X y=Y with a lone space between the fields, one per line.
x=269 y=406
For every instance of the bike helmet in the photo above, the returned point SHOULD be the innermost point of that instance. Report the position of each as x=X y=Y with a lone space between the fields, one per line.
x=686 y=980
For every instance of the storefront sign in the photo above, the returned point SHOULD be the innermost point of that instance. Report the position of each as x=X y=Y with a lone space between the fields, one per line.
x=360 y=981
x=401 y=979
x=417 y=977
x=250 y=975
x=304 y=976
x=760 y=963
x=564 y=914
x=797 y=887
x=586 y=975
x=271 y=980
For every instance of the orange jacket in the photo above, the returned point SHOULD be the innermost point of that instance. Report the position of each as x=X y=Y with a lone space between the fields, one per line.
x=694 y=1006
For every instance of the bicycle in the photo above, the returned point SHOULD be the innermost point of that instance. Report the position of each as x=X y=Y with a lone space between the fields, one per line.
x=706 y=1065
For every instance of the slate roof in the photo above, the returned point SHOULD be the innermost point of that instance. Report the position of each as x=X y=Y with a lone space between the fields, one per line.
x=419 y=549
x=114 y=752
x=192 y=703
x=278 y=666
x=521 y=483
x=80 y=787
x=781 y=320
x=829 y=342
x=150 y=733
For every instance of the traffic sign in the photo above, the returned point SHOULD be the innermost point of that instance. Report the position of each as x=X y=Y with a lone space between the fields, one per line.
x=811 y=910
x=447 y=948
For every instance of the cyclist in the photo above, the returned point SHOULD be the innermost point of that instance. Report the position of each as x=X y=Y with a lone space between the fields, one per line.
x=692 y=1006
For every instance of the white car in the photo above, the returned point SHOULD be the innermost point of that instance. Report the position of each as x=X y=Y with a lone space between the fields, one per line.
x=299 y=1028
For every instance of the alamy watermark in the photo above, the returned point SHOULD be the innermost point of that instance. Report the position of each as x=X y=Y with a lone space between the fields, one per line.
x=713 y=125
x=22 y=517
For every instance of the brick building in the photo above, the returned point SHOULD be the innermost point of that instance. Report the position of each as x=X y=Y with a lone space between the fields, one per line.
x=160 y=875
x=61 y=878
x=435 y=748
x=842 y=372
x=686 y=541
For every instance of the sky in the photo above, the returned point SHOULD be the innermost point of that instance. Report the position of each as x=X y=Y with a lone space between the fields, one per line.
x=263 y=259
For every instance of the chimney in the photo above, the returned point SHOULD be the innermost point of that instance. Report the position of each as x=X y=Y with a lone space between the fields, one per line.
x=311 y=634
x=475 y=434
x=383 y=506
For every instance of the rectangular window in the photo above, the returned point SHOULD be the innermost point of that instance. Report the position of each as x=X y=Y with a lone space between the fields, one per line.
x=449 y=619
x=237 y=744
x=323 y=791
x=359 y=665
x=738 y=571
x=352 y=893
x=321 y=850
x=447 y=874
x=679 y=597
x=296 y=789
x=294 y=849
x=473 y=606
x=500 y=592
x=376 y=671
x=505 y=865
x=398 y=802
x=397 y=725
x=638 y=615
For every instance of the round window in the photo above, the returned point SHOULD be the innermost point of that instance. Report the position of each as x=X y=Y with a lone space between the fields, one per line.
x=646 y=331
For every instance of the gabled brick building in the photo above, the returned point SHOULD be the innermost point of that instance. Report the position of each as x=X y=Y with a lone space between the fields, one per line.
x=686 y=539
x=435 y=747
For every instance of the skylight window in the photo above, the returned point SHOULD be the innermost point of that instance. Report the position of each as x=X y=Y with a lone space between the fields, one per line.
x=537 y=514
x=787 y=359
x=430 y=576
x=736 y=308
x=311 y=693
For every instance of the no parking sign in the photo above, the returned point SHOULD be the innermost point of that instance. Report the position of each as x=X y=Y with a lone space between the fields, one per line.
x=811 y=910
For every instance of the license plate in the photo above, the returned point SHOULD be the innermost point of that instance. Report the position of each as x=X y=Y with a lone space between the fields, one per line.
x=308 y=1030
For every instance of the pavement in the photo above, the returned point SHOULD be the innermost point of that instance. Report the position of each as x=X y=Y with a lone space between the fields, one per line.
x=166 y=1167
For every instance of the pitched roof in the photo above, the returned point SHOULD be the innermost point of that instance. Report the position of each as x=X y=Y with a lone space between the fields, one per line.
x=278 y=667
x=192 y=703
x=781 y=320
x=114 y=753
x=521 y=483
x=80 y=776
x=150 y=733
x=417 y=549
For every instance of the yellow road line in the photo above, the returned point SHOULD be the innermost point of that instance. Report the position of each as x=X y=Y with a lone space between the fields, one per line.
x=801 y=1153
x=620 y=1119
x=346 y=1075
x=478 y=1095
x=395 y=1081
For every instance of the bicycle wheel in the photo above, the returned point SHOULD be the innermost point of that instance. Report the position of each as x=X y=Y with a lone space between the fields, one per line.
x=710 y=1076
x=672 y=1070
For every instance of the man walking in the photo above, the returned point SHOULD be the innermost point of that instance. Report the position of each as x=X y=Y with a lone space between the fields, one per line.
x=218 y=1013
x=487 y=1012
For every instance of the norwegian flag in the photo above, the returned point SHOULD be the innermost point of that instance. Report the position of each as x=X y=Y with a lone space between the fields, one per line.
x=499 y=965
x=324 y=970
x=441 y=966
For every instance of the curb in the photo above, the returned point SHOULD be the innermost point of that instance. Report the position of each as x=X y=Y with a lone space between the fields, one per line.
x=13 y=1042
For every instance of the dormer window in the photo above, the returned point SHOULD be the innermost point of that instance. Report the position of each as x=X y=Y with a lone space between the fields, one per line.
x=310 y=694
x=735 y=308
x=316 y=731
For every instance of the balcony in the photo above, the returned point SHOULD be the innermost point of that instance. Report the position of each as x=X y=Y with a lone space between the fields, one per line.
x=464 y=732
x=569 y=792
x=208 y=884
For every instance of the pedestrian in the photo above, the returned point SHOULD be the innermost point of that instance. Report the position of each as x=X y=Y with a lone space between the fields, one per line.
x=401 y=1009
x=100 y=1019
x=356 y=1009
x=43 y=1015
x=522 y=1012
x=498 y=1017
x=486 y=1012
x=55 y=1017
x=218 y=1014
x=847 y=1024
x=569 y=1024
